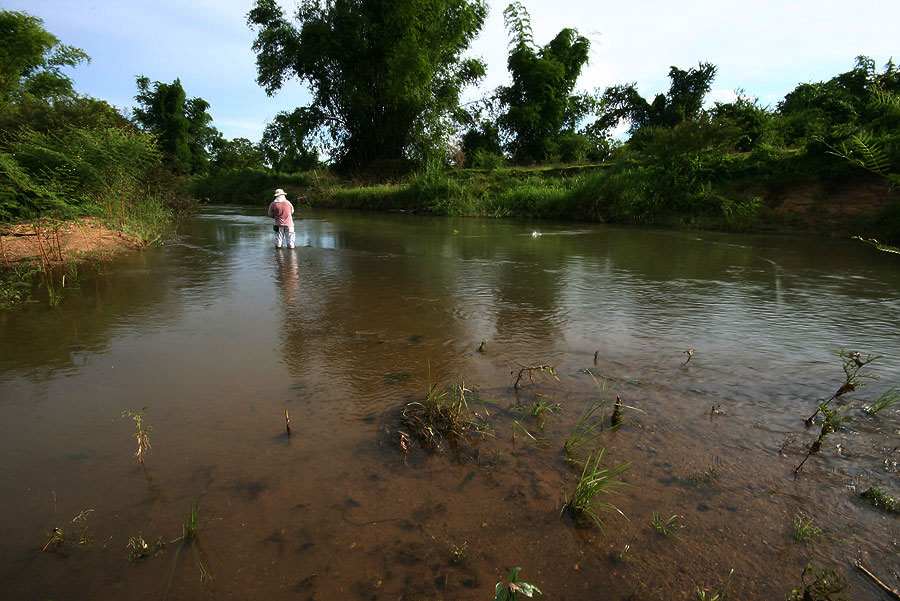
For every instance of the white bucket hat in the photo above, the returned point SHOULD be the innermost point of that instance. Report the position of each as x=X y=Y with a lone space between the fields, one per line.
x=279 y=192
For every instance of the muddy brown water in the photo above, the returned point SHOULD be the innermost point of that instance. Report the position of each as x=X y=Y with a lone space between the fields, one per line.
x=217 y=333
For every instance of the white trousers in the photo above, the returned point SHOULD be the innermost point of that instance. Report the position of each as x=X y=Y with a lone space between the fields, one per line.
x=284 y=235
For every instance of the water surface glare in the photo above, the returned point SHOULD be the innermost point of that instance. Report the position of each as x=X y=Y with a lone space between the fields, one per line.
x=217 y=333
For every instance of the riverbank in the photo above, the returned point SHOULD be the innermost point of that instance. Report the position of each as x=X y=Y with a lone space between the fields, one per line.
x=783 y=191
x=46 y=253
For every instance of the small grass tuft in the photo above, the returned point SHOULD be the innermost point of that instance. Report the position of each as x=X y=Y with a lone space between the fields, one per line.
x=805 y=531
x=702 y=595
x=880 y=499
x=139 y=549
x=594 y=480
x=510 y=590
x=666 y=527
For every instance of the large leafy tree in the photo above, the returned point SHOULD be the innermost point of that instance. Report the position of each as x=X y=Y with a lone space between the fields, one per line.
x=540 y=102
x=283 y=143
x=385 y=76
x=182 y=125
x=830 y=109
x=31 y=63
x=683 y=102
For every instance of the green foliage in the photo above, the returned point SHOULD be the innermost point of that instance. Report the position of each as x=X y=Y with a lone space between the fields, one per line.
x=805 y=531
x=667 y=526
x=72 y=171
x=283 y=143
x=180 y=124
x=509 y=590
x=702 y=595
x=888 y=399
x=385 y=77
x=583 y=504
x=443 y=414
x=246 y=186
x=239 y=153
x=683 y=102
x=481 y=144
x=880 y=499
x=139 y=549
x=540 y=102
x=824 y=586
x=31 y=61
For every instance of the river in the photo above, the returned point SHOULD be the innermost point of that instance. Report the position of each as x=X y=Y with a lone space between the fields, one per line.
x=217 y=334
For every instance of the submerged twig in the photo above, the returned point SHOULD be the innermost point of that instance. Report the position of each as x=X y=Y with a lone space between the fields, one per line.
x=530 y=371
x=287 y=422
x=891 y=591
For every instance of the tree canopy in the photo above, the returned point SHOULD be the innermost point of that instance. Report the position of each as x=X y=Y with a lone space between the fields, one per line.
x=385 y=76
x=31 y=61
x=182 y=125
x=681 y=103
x=540 y=101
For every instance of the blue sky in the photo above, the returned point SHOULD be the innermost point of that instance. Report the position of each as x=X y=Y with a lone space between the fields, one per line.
x=765 y=48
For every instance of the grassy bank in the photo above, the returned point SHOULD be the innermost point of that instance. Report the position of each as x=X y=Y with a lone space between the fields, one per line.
x=763 y=191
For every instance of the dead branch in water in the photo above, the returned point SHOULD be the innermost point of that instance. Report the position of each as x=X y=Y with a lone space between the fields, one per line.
x=891 y=591
x=530 y=371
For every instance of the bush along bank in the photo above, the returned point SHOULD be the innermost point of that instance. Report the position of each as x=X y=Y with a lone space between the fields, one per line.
x=763 y=191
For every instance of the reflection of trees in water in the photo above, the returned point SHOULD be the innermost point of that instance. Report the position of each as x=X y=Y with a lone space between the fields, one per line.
x=143 y=287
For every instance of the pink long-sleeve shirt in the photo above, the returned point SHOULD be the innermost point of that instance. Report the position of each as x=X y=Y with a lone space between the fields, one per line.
x=281 y=210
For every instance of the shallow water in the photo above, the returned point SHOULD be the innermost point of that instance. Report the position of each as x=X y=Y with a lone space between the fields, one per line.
x=217 y=333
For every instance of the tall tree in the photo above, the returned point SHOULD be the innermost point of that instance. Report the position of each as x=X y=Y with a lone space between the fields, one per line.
x=385 y=76
x=540 y=103
x=683 y=102
x=31 y=62
x=182 y=125
x=283 y=143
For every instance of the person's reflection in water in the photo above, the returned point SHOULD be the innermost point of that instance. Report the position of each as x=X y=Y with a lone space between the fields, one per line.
x=288 y=277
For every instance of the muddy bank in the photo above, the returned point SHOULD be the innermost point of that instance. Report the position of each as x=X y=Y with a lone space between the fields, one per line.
x=57 y=241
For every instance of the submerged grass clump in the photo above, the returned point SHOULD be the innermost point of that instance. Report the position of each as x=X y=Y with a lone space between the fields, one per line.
x=880 y=499
x=594 y=479
x=702 y=595
x=191 y=523
x=73 y=534
x=825 y=585
x=591 y=424
x=443 y=414
x=805 y=530
x=667 y=526
x=139 y=549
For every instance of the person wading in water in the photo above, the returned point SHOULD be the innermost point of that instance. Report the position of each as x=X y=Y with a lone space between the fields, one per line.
x=281 y=210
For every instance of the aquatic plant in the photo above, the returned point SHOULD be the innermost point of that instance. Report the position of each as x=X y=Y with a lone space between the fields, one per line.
x=590 y=425
x=804 y=531
x=665 y=527
x=191 y=523
x=852 y=363
x=139 y=549
x=832 y=420
x=887 y=400
x=702 y=595
x=509 y=590
x=824 y=586
x=443 y=413
x=880 y=499
x=594 y=480
x=59 y=536
x=142 y=434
